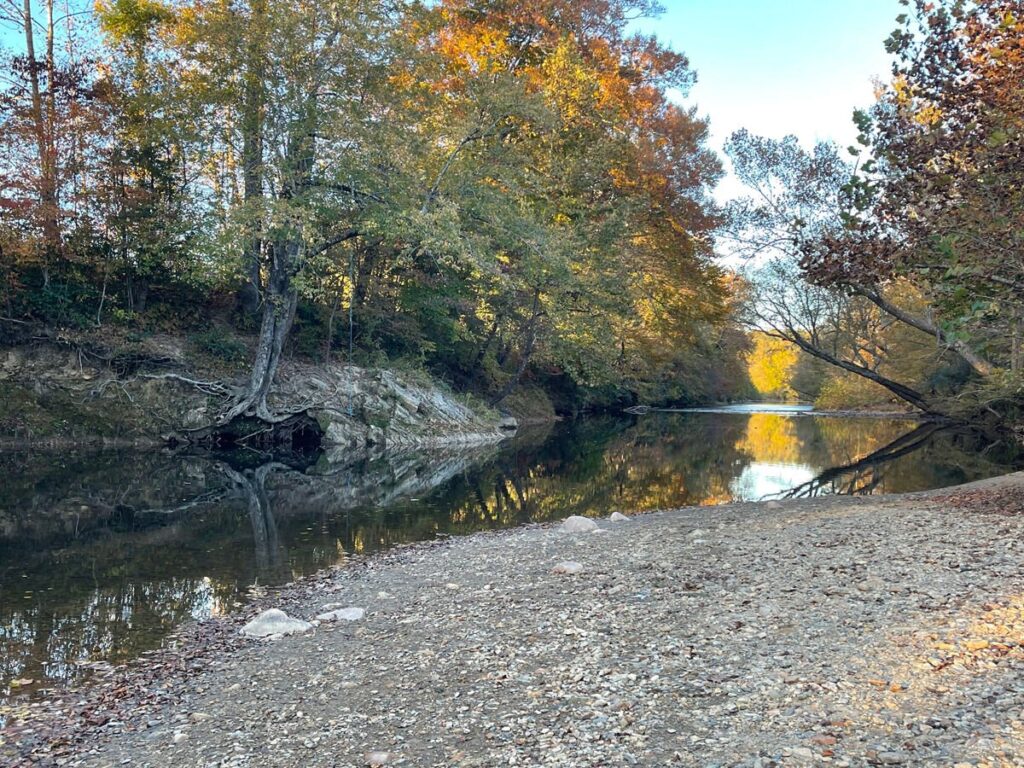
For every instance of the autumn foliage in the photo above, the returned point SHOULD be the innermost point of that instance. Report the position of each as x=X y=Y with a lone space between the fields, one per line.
x=499 y=190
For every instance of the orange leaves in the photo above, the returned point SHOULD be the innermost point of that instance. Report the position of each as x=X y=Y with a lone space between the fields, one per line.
x=475 y=49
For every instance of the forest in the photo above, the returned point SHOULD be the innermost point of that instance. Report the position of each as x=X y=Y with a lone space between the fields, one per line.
x=513 y=196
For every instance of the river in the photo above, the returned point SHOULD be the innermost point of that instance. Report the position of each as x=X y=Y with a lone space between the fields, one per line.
x=103 y=554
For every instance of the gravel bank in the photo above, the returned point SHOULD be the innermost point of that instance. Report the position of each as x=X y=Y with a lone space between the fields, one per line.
x=839 y=632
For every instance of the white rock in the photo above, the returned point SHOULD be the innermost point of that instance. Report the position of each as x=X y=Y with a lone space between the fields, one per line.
x=569 y=567
x=378 y=758
x=577 y=524
x=618 y=517
x=802 y=753
x=274 y=622
x=342 y=614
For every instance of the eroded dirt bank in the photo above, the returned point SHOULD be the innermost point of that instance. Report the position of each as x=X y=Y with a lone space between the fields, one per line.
x=832 y=631
x=161 y=390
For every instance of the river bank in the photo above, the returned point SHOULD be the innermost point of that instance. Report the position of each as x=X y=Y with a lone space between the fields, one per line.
x=162 y=389
x=795 y=410
x=848 y=631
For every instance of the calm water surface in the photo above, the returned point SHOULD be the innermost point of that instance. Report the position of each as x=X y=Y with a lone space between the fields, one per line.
x=103 y=554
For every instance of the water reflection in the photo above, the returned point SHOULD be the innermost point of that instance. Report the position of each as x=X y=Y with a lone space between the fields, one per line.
x=101 y=555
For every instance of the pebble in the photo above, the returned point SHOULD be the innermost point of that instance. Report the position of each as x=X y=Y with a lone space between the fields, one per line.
x=891 y=758
x=767 y=654
x=342 y=614
x=871 y=585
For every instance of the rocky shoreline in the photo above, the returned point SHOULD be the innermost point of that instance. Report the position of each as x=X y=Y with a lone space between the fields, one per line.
x=54 y=396
x=830 y=631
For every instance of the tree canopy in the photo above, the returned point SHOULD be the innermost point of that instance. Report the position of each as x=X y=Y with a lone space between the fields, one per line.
x=496 y=189
x=509 y=192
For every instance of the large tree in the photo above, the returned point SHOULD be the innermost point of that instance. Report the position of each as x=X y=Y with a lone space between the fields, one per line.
x=613 y=276
x=940 y=201
x=798 y=215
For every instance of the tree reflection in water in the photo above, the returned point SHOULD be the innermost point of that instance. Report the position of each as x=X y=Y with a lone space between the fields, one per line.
x=252 y=485
x=102 y=554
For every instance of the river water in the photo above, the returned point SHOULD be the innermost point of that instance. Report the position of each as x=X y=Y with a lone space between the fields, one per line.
x=103 y=554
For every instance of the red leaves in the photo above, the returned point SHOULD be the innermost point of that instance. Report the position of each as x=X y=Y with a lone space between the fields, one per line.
x=1007 y=502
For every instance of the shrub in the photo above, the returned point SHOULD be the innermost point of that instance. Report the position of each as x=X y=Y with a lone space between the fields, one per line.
x=219 y=343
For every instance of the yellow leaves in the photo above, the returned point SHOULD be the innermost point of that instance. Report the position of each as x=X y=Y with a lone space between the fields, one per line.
x=131 y=20
x=920 y=112
x=404 y=80
x=478 y=48
x=771 y=365
x=929 y=115
x=567 y=83
x=901 y=90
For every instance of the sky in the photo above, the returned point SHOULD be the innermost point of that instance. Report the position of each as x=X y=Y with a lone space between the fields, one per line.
x=779 y=67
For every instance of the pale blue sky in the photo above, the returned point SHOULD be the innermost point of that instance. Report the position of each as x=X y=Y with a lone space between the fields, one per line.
x=780 y=66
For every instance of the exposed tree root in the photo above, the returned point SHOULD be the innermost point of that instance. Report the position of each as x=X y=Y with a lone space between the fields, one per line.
x=297 y=432
x=214 y=388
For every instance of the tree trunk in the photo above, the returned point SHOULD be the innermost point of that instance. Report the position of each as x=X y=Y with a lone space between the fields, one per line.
x=285 y=253
x=524 y=359
x=901 y=391
x=1016 y=357
x=335 y=307
x=51 y=123
x=278 y=313
x=364 y=272
x=484 y=346
x=47 y=183
x=252 y=155
x=980 y=365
